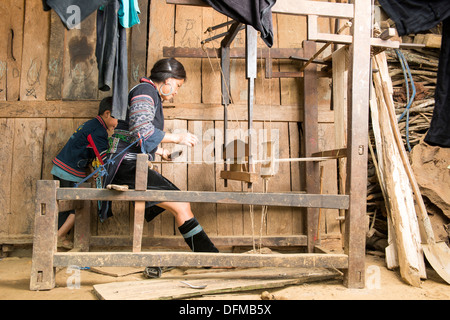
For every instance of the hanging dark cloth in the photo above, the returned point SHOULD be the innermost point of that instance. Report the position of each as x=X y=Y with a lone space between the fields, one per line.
x=257 y=13
x=66 y=12
x=112 y=57
x=414 y=16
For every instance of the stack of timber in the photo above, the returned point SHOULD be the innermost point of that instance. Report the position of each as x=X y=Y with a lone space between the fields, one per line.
x=423 y=65
x=404 y=239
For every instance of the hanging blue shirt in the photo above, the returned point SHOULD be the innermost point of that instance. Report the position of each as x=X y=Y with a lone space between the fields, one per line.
x=128 y=13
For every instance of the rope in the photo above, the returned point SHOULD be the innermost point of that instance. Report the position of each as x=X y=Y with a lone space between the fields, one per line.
x=410 y=99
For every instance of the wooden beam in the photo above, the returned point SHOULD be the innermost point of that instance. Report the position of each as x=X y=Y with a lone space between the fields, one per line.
x=189 y=259
x=219 y=241
x=235 y=53
x=182 y=111
x=338 y=153
x=264 y=199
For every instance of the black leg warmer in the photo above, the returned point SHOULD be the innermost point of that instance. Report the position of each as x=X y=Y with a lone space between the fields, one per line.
x=195 y=237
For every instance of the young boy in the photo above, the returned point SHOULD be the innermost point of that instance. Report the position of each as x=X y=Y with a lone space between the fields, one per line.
x=73 y=162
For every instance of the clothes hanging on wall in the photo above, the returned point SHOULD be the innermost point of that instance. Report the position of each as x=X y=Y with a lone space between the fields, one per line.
x=112 y=57
x=68 y=10
x=113 y=16
x=414 y=16
x=257 y=13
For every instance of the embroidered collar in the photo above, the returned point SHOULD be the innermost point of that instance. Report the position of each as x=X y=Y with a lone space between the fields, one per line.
x=143 y=79
x=149 y=81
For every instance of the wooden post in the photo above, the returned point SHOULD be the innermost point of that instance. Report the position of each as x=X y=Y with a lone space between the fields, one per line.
x=45 y=236
x=311 y=140
x=82 y=226
x=139 y=206
x=357 y=138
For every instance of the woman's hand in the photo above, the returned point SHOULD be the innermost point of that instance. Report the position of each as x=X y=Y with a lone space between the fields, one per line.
x=187 y=139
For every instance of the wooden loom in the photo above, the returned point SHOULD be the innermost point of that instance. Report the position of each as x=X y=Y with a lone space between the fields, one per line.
x=49 y=194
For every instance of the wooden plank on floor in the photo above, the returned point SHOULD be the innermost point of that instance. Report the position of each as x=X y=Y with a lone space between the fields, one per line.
x=177 y=287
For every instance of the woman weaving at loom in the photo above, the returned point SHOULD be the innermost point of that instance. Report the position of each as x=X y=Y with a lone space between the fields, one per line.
x=143 y=128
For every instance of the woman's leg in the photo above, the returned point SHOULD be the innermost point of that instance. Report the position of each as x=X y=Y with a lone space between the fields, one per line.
x=180 y=210
x=192 y=232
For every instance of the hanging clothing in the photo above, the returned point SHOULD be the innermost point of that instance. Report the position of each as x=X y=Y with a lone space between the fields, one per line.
x=257 y=13
x=129 y=13
x=414 y=16
x=112 y=57
x=67 y=13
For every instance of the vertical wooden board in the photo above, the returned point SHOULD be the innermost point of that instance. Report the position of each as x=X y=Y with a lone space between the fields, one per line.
x=291 y=33
x=80 y=64
x=11 y=37
x=26 y=170
x=56 y=58
x=211 y=69
x=161 y=30
x=6 y=161
x=176 y=173
x=298 y=214
x=230 y=217
x=4 y=38
x=329 y=223
x=15 y=17
x=279 y=219
x=57 y=133
x=201 y=177
x=188 y=26
x=340 y=78
x=35 y=52
x=138 y=46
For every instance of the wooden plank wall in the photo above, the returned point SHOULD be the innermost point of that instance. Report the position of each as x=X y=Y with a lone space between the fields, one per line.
x=48 y=79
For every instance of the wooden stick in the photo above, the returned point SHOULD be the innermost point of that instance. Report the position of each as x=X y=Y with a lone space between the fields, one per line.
x=348 y=24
